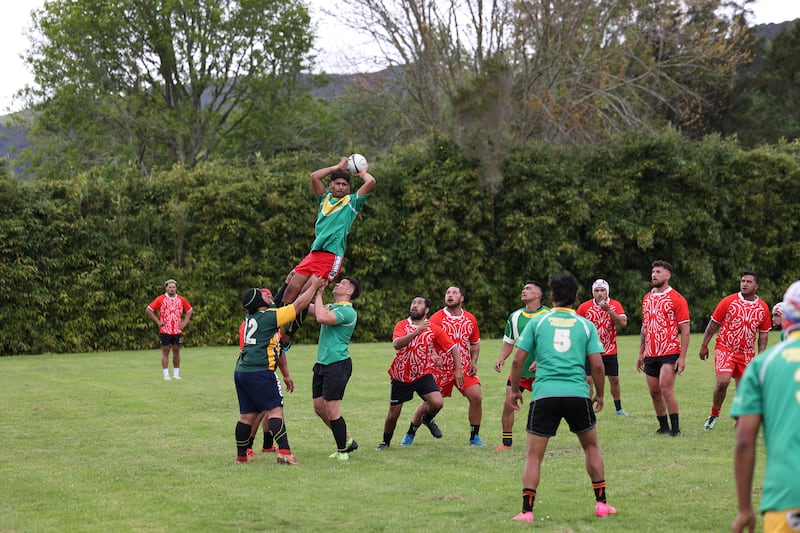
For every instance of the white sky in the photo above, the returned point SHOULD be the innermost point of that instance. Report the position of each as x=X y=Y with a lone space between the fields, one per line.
x=332 y=48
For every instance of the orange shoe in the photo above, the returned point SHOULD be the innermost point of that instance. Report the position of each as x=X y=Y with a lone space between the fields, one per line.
x=285 y=457
x=251 y=454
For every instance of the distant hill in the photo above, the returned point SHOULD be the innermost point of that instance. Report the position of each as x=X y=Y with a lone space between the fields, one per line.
x=12 y=140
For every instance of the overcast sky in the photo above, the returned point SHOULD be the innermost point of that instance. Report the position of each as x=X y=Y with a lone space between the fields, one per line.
x=332 y=47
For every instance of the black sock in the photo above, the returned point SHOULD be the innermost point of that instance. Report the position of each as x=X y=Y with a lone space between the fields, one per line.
x=412 y=429
x=617 y=404
x=252 y=439
x=242 y=438
x=278 y=430
x=279 y=297
x=268 y=440
x=663 y=424
x=473 y=430
x=528 y=496
x=599 y=490
x=387 y=438
x=426 y=418
x=673 y=420
x=339 y=430
x=508 y=438
x=296 y=323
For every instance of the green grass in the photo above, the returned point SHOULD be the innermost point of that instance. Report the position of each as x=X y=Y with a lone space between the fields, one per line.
x=98 y=442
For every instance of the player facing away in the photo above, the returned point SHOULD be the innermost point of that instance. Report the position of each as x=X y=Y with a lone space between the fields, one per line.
x=417 y=343
x=337 y=211
x=288 y=382
x=665 y=339
x=768 y=395
x=607 y=315
x=558 y=343
x=461 y=326
x=532 y=295
x=257 y=387
x=739 y=318
x=174 y=312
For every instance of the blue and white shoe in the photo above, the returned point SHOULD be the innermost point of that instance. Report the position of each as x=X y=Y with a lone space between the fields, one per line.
x=476 y=441
x=408 y=438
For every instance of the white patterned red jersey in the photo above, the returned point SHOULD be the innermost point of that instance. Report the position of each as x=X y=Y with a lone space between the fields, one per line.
x=661 y=314
x=606 y=327
x=170 y=309
x=412 y=362
x=463 y=329
x=739 y=321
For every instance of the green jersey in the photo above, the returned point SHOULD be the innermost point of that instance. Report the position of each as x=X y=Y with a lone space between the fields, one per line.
x=770 y=387
x=559 y=342
x=334 y=339
x=515 y=325
x=334 y=218
x=260 y=336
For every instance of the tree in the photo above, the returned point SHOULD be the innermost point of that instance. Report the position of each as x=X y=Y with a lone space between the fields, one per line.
x=157 y=81
x=562 y=70
x=767 y=103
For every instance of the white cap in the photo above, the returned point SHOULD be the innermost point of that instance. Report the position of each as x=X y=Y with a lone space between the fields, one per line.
x=777 y=309
x=600 y=283
x=791 y=303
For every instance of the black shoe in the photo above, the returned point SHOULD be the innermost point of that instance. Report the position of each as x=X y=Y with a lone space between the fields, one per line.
x=352 y=446
x=662 y=431
x=382 y=446
x=435 y=431
x=675 y=433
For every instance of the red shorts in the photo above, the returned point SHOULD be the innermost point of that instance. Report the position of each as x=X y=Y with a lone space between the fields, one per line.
x=524 y=383
x=728 y=362
x=320 y=263
x=446 y=382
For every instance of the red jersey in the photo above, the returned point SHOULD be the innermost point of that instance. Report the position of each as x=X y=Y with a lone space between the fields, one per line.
x=661 y=314
x=739 y=321
x=170 y=310
x=463 y=329
x=412 y=362
x=606 y=328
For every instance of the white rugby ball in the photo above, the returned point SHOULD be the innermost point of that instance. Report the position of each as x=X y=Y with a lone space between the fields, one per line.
x=356 y=163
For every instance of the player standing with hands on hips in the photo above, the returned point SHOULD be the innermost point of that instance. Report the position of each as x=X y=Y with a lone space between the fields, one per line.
x=171 y=322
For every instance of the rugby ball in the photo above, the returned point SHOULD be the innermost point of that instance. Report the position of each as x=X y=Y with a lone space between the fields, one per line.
x=356 y=163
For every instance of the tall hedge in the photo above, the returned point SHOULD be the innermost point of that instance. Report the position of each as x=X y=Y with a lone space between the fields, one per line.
x=81 y=257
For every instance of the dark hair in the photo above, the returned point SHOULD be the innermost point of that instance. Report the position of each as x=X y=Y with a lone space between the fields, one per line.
x=340 y=175
x=460 y=290
x=749 y=273
x=662 y=264
x=252 y=300
x=537 y=284
x=356 y=287
x=565 y=289
x=427 y=301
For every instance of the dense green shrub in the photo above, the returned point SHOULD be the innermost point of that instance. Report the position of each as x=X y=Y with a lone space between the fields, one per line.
x=81 y=257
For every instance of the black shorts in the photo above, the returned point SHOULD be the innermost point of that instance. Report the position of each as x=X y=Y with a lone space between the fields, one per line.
x=403 y=392
x=610 y=363
x=652 y=365
x=545 y=414
x=169 y=340
x=329 y=381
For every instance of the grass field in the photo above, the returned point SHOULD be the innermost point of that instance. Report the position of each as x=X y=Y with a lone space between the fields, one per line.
x=98 y=442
